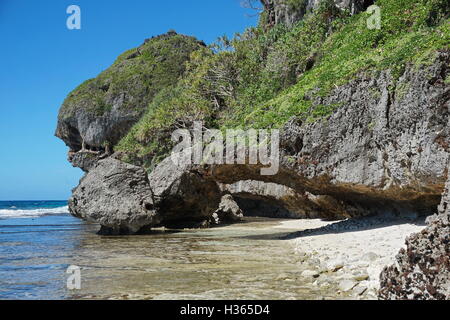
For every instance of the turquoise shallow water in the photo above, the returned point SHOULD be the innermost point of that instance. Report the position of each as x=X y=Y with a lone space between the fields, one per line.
x=241 y=261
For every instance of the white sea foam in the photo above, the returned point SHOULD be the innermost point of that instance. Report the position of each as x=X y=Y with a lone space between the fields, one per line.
x=8 y=213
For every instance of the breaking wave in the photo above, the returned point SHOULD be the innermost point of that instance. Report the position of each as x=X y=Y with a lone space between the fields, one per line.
x=15 y=213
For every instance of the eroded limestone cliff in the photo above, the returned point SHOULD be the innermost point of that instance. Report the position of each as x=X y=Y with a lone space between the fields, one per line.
x=374 y=142
x=384 y=150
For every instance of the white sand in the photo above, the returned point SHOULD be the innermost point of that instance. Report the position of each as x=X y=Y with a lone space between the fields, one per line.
x=347 y=252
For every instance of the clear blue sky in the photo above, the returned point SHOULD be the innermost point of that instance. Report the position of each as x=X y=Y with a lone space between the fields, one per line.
x=41 y=61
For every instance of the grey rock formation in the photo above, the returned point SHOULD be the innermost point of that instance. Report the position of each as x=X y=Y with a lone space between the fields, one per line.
x=384 y=149
x=257 y=198
x=444 y=207
x=117 y=196
x=228 y=211
x=122 y=199
x=85 y=160
x=423 y=269
x=183 y=196
x=97 y=131
x=289 y=12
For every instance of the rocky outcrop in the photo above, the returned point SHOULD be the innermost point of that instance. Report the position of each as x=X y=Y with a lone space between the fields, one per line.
x=444 y=207
x=85 y=160
x=123 y=199
x=288 y=12
x=183 y=196
x=423 y=268
x=117 y=196
x=97 y=114
x=383 y=150
x=228 y=211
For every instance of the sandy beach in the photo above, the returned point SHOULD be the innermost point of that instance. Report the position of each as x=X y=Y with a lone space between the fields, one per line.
x=350 y=253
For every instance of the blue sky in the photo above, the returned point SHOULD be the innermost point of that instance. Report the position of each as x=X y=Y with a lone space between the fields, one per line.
x=41 y=61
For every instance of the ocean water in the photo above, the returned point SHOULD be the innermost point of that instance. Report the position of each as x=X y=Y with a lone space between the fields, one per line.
x=30 y=209
x=35 y=237
x=39 y=240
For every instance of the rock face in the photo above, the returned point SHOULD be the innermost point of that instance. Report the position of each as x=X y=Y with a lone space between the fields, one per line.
x=288 y=12
x=183 y=196
x=423 y=269
x=258 y=198
x=444 y=207
x=228 y=211
x=85 y=160
x=122 y=199
x=383 y=150
x=117 y=196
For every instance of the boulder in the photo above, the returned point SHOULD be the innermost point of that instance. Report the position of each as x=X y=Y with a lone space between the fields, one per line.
x=183 y=196
x=228 y=210
x=117 y=196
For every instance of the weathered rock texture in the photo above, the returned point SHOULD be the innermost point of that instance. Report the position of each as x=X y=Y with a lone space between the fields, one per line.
x=85 y=160
x=257 y=198
x=423 y=269
x=117 y=196
x=122 y=199
x=228 y=211
x=183 y=196
x=288 y=12
x=384 y=149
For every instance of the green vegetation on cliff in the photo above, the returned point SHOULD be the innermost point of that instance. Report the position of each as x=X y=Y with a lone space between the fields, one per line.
x=135 y=77
x=264 y=76
x=411 y=32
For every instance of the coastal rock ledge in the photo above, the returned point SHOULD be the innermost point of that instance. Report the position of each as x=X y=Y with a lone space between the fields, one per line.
x=381 y=146
x=377 y=153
